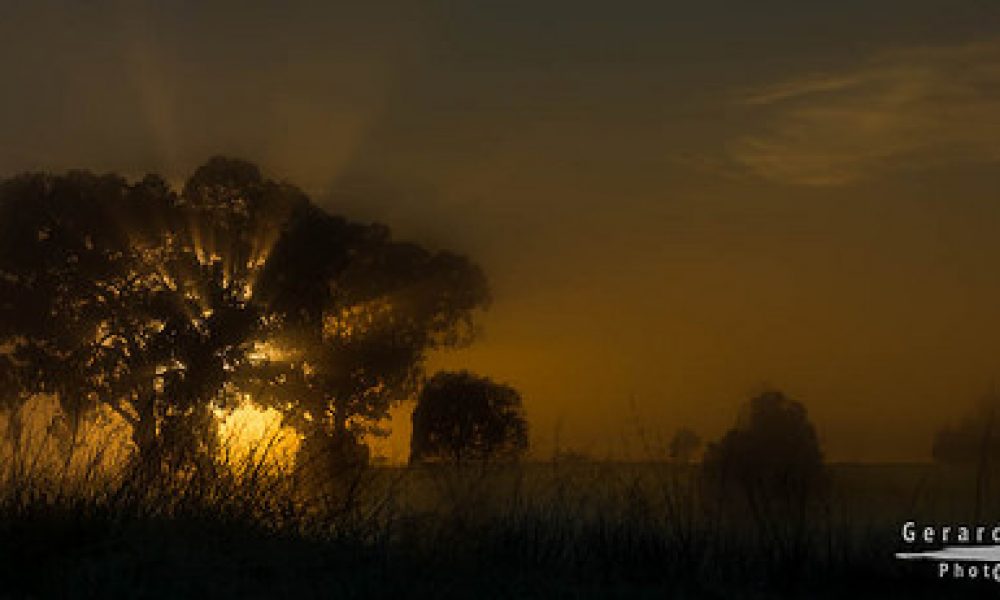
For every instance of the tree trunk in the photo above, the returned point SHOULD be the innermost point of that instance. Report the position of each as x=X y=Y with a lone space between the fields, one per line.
x=144 y=435
x=339 y=416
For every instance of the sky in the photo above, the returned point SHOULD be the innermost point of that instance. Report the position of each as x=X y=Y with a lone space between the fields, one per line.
x=678 y=204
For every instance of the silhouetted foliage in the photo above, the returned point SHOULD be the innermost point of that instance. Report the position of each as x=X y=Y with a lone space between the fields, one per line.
x=771 y=458
x=460 y=416
x=974 y=440
x=767 y=474
x=364 y=311
x=157 y=304
x=684 y=445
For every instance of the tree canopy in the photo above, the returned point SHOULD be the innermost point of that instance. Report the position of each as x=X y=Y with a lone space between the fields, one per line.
x=167 y=306
x=975 y=440
x=461 y=416
x=684 y=445
x=772 y=453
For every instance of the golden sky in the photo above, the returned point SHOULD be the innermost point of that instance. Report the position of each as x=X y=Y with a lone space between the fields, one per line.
x=678 y=203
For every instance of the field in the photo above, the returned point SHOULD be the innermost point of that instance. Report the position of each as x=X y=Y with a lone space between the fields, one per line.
x=558 y=529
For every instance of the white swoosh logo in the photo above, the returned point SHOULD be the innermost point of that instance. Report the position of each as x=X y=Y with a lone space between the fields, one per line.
x=958 y=553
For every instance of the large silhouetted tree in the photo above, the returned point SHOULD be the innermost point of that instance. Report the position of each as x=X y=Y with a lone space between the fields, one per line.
x=460 y=416
x=78 y=290
x=134 y=296
x=166 y=306
x=364 y=311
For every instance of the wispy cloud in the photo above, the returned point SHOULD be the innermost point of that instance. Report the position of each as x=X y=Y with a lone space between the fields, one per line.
x=901 y=109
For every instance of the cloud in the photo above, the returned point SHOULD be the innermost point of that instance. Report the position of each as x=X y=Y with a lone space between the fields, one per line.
x=899 y=110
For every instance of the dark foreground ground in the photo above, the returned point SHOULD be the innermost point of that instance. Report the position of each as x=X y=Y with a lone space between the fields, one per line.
x=581 y=531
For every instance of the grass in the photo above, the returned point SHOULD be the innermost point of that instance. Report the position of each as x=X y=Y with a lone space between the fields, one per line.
x=579 y=529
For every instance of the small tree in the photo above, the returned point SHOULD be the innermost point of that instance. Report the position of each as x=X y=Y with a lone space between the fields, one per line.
x=684 y=445
x=976 y=438
x=974 y=442
x=772 y=448
x=769 y=467
x=460 y=416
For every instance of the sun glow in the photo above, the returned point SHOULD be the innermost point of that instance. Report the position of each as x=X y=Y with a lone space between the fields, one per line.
x=356 y=319
x=270 y=351
x=253 y=436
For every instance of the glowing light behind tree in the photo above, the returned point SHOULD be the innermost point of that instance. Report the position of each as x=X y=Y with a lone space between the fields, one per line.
x=253 y=436
x=234 y=300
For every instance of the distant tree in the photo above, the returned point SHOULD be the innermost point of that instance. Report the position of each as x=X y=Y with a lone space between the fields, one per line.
x=771 y=458
x=571 y=456
x=684 y=445
x=975 y=440
x=460 y=416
